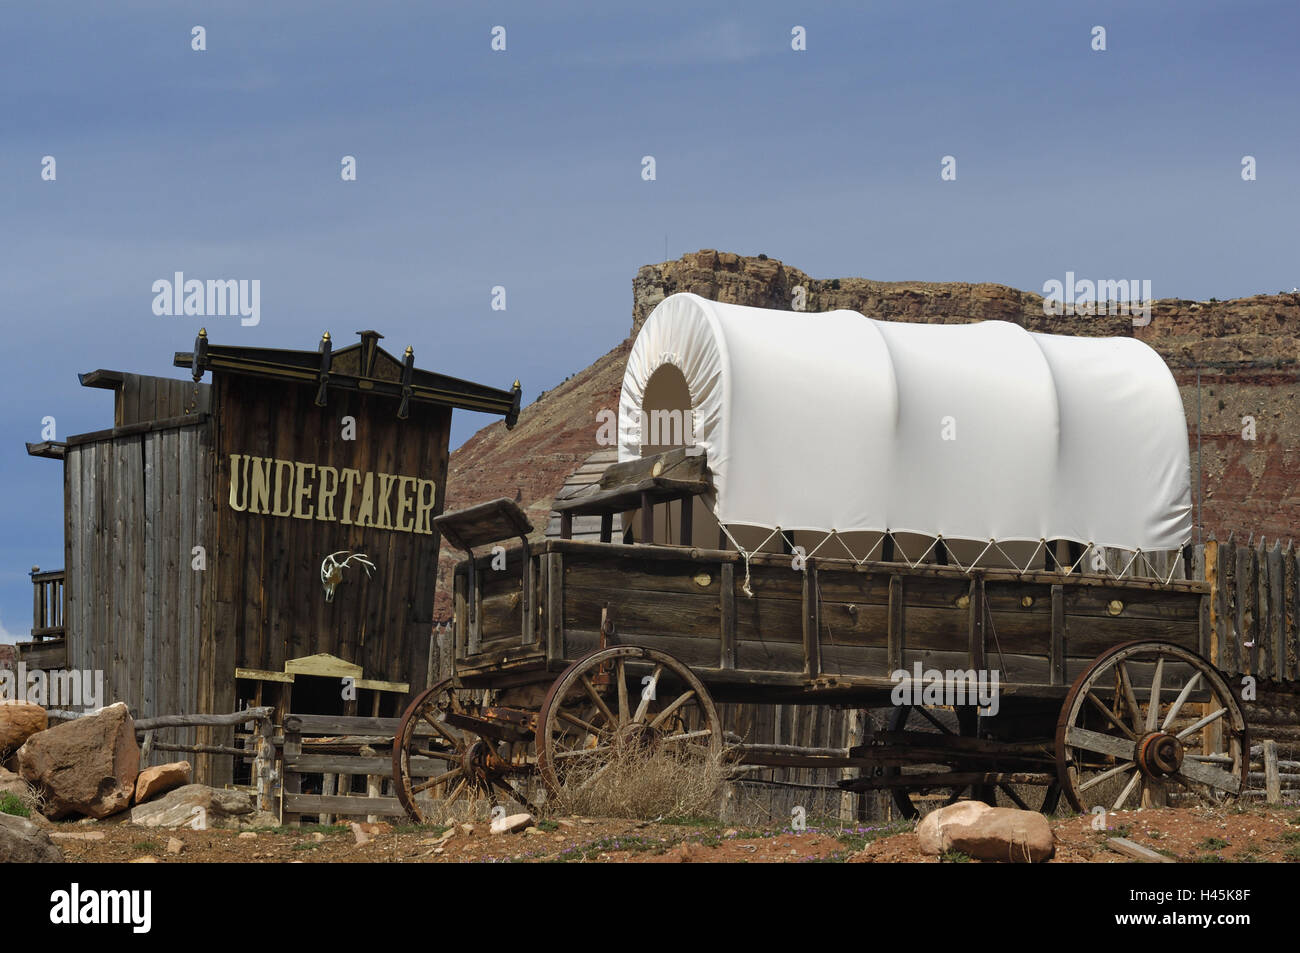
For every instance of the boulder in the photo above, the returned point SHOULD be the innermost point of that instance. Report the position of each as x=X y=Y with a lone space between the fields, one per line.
x=11 y=783
x=160 y=778
x=194 y=805
x=22 y=842
x=512 y=824
x=85 y=766
x=18 y=722
x=987 y=833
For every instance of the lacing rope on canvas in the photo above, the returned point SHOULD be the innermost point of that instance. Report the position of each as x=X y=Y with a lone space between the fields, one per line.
x=1042 y=546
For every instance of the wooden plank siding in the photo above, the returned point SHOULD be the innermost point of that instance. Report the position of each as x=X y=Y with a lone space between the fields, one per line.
x=268 y=605
x=131 y=591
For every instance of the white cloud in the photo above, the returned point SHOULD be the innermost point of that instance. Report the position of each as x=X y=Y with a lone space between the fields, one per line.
x=10 y=637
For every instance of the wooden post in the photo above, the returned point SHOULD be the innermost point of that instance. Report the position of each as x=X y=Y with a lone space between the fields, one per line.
x=566 y=525
x=528 y=614
x=688 y=514
x=727 y=608
x=292 y=783
x=265 y=763
x=896 y=634
x=812 y=648
x=328 y=788
x=554 y=607
x=606 y=527
x=647 y=519
x=1272 y=780
x=975 y=632
x=373 y=784
x=1056 y=655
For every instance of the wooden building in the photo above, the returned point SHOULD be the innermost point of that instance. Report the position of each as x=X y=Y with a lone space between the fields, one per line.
x=202 y=529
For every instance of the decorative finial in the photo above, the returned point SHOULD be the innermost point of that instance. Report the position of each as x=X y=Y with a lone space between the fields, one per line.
x=409 y=351
x=516 y=384
x=325 y=336
x=203 y=332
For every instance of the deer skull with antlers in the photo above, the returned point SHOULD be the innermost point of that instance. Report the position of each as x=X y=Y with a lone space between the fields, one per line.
x=331 y=569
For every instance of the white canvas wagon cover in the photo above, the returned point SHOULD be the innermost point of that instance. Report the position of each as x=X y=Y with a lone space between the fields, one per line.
x=834 y=421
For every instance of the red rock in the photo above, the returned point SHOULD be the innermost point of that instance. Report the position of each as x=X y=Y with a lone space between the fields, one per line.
x=87 y=766
x=160 y=778
x=18 y=722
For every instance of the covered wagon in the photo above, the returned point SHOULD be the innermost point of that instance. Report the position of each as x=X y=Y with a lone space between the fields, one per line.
x=981 y=528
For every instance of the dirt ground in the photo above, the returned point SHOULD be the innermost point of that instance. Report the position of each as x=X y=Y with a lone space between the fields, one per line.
x=1250 y=834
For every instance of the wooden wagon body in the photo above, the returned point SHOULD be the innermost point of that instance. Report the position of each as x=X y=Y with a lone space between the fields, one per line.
x=1001 y=681
x=831 y=631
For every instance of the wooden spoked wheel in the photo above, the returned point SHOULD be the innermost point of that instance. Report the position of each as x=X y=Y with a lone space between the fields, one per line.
x=619 y=698
x=431 y=755
x=960 y=721
x=1149 y=724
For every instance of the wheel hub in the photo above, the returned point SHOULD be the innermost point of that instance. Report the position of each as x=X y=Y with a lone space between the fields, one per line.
x=1160 y=754
x=478 y=762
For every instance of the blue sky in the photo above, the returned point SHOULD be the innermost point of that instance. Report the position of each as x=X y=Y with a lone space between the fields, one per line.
x=523 y=169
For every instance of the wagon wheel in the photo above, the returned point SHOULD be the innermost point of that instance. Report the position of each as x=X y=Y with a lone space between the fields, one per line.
x=958 y=721
x=429 y=754
x=610 y=701
x=964 y=722
x=1121 y=735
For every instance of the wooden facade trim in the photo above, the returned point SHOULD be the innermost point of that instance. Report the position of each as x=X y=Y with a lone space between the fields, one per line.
x=48 y=449
x=132 y=430
x=365 y=368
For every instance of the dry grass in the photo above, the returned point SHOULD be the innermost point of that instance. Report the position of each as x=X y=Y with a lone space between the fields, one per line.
x=643 y=783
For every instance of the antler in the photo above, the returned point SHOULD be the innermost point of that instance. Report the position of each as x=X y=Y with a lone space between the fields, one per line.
x=331 y=569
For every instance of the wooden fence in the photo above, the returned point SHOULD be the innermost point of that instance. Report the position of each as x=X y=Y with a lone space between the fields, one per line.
x=1255 y=608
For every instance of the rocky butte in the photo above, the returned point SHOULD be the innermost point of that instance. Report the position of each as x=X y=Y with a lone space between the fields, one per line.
x=1247 y=351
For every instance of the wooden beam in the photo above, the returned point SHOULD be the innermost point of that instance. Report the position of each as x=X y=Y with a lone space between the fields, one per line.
x=1145 y=855
x=727 y=607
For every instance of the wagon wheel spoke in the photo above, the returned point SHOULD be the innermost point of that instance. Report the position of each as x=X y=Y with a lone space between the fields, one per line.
x=687 y=736
x=435 y=781
x=1128 y=790
x=647 y=695
x=1110 y=715
x=456 y=792
x=671 y=710
x=1153 y=704
x=1177 y=706
x=1200 y=723
x=956 y=794
x=432 y=753
x=599 y=702
x=1010 y=792
x=1211 y=776
x=442 y=730
x=1098 y=743
x=620 y=681
x=579 y=723
x=584 y=752
x=932 y=720
x=1106 y=775
x=1130 y=697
